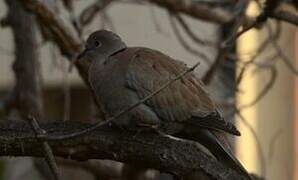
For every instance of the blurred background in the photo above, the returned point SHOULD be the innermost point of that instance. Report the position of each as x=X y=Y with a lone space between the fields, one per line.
x=253 y=81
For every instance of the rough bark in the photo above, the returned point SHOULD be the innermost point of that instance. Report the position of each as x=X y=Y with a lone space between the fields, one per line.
x=144 y=149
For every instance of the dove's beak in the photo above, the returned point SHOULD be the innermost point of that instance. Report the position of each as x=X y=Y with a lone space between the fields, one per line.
x=76 y=59
x=82 y=54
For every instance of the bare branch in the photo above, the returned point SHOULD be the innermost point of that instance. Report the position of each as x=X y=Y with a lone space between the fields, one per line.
x=170 y=155
x=229 y=41
x=265 y=90
x=273 y=143
x=285 y=16
x=196 y=10
x=26 y=95
x=263 y=46
x=184 y=44
x=282 y=55
x=191 y=34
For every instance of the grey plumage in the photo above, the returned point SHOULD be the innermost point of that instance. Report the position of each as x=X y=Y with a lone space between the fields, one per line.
x=120 y=76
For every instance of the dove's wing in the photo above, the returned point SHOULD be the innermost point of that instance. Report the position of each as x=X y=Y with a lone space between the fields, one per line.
x=183 y=101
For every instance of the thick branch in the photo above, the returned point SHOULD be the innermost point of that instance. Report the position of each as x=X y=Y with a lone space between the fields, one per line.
x=28 y=88
x=144 y=149
x=27 y=94
x=285 y=16
x=196 y=10
x=201 y=10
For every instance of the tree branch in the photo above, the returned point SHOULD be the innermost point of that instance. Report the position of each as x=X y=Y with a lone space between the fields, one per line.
x=27 y=95
x=163 y=153
x=196 y=10
x=285 y=16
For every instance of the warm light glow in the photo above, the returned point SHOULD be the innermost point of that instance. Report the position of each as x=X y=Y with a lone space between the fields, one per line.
x=245 y=145
x=272 y=117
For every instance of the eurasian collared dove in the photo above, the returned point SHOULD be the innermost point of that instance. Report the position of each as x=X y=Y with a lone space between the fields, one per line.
x=120 y=76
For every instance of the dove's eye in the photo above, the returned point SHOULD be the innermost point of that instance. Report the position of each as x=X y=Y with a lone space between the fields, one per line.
x=97 y=43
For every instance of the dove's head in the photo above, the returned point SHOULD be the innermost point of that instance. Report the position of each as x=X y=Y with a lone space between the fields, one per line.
x=101 y=44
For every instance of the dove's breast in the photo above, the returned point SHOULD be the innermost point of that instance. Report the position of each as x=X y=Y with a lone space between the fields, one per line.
x=108 y=82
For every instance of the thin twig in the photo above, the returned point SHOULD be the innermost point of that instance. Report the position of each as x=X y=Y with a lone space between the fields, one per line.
x=272 y=68
x=251 y=24
x=286 y=60
x=258 y=143
x=272 y=144
x=184 y=44
x=196 y=10
x=122 y=112
x=49 y=157
x=261 y=48
x=270 y=6
x=228 y=42
x=265 y=90
x=239 y=20
x=191 y=34
x=283 y=56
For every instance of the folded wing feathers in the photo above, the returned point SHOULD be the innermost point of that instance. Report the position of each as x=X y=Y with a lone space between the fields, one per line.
x=178 y=101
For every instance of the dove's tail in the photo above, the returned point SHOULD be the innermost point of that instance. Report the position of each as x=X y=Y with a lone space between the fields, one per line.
x=222 y=153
